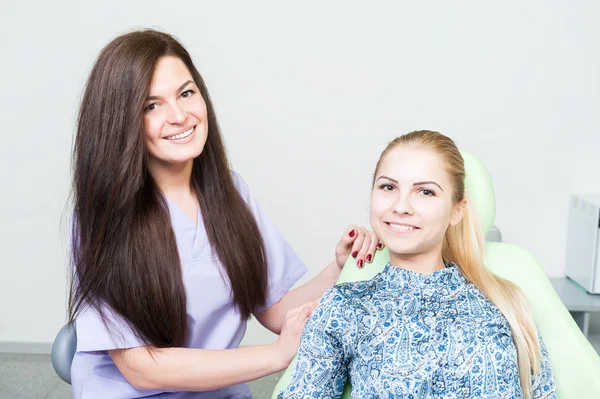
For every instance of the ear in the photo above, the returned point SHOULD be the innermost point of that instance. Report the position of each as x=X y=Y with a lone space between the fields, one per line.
x=457 y=212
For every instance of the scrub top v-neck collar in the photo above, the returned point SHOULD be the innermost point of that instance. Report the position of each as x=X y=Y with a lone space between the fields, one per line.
x=191 y=237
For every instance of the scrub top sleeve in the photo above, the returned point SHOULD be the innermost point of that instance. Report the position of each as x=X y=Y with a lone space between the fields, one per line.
x=284 y=266
x=94 y=335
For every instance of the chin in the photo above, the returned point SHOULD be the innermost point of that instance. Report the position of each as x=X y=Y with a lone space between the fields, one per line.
x=187 y=156
x=409 y=248
x=402 y=249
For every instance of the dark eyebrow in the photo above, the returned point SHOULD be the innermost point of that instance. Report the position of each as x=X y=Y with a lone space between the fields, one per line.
x=179 y=89
x=422 y=183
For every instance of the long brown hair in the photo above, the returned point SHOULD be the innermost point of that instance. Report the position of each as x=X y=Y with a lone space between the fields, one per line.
x=124 y=251
x=463 y=245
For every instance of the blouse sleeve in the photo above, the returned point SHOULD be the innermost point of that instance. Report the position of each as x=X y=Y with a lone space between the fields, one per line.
x=321 y=368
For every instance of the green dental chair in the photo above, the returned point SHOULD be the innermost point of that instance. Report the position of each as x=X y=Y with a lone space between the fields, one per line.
x=575 y=363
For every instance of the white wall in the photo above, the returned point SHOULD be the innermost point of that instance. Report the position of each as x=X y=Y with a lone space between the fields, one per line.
x=308 y=94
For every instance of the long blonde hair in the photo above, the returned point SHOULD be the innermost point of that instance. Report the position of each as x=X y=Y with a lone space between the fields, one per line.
x=463 y=245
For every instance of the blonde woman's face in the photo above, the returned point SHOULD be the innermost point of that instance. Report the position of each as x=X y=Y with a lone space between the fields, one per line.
x=411 y=202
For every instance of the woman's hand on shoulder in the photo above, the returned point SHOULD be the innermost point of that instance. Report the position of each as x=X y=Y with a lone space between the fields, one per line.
x=287 y=344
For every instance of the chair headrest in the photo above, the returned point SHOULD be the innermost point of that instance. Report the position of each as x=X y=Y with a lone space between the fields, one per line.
x=480 y=190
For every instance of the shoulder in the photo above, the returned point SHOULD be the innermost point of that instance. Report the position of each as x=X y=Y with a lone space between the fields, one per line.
x=332 y=317
x=359 y=290
x=349 y=297
x=333 y=303
x=240 y=184
x=334 y=297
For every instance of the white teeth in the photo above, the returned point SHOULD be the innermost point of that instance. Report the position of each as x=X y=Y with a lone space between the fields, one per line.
x=180 y=135
x=401 y=227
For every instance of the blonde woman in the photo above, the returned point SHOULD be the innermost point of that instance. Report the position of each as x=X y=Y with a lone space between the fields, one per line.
x=436 y=323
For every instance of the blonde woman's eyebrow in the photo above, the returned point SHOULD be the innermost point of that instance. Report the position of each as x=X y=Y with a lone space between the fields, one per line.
x=422 y=183
x=387 y=178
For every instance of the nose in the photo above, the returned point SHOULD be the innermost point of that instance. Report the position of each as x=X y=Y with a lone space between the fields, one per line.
x=177 y=115
x=403 y=205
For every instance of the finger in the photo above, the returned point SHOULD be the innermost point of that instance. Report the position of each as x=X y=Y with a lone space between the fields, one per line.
x=309 y=305
x=372 y=248
x=357 y=244
x=306 y=311
x=298 y=326
x=362 y=252
x=294 y=312
x=349 y=236
x=301 y=318
x=380 y=246
x=313 y=304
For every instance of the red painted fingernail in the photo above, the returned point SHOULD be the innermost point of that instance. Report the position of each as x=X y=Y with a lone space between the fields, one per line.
x=354 y=254
x=351 y=234
x=360 y=263
x=369 y=257
x=379 y=246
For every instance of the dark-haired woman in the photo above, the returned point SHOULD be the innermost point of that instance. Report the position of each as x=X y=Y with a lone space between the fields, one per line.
x=171 y=254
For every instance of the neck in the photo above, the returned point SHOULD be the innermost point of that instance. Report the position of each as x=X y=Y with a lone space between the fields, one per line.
x=173 y=180
x=427 y=263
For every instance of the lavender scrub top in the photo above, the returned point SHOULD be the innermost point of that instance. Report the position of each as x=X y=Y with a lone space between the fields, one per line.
x=213 y=320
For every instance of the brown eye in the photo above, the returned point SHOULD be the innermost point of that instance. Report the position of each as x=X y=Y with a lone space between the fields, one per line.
x=150 y=107
x=187 y=93
x=428 y=193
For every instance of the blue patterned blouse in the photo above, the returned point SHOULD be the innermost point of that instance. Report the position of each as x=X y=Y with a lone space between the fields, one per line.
x=407 y=335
